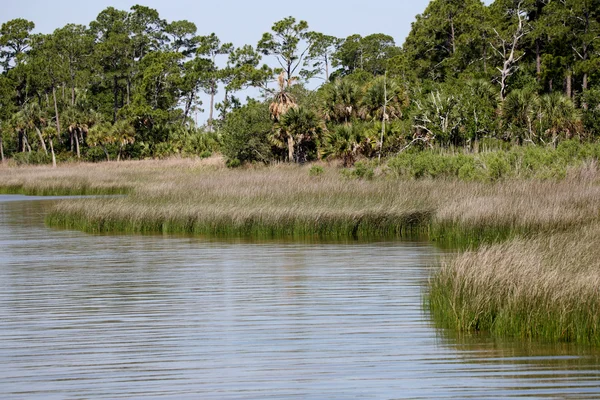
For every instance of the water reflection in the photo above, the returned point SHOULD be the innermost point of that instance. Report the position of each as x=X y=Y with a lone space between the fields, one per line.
x=85 y=316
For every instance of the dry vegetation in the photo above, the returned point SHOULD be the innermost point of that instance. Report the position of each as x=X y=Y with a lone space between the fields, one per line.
x=531 y=270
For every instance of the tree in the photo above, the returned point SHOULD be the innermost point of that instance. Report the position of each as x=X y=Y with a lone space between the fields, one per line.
x=288 y=43
x=123 y=134
x=182 y=35
x=74 y=46
x=345 y=142
x=283 y=101
x=50 y=133
x=340 y=100
x=511 y=26
x=193 y=79
x=246 y=134
x=211 y=47
x=115 y=54
x=297 y=129
x=447 y=38
x=101 y=135
x=369 y=54
x=52 y=69
x=322 y=48
x=14 y=41
x=518 y=110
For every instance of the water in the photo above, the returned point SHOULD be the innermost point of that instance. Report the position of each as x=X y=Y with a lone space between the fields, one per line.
x=108 y=317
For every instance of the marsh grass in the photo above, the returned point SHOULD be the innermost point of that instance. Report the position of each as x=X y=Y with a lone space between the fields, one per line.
x=528 y=268
x=544 y=287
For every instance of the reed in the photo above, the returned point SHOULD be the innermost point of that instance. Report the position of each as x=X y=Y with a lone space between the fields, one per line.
x=545 y=287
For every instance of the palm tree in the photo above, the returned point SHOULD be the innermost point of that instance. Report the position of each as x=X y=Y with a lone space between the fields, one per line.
x=382 y=94
x=283 y=100
x=518 y=110
x=101 y=135
x=124 y=134
x=3 y=126
x=33 y=117
x=340 y=101
x=19 y=124
x=557 y=114
x=50 y=134
x=345 y=142
x=297 y=127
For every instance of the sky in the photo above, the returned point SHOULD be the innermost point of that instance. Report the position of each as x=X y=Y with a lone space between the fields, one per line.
x=238 y=22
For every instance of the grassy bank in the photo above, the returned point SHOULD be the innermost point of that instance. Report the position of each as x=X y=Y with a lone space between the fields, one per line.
x=528 y=243
x=544 y=287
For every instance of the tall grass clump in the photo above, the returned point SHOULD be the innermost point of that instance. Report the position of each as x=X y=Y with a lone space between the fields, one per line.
x=545 y=287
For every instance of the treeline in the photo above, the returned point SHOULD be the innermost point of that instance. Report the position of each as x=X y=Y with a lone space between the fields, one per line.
x=128 y=85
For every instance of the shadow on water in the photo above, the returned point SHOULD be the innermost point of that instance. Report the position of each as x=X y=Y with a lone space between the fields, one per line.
x=105 y=316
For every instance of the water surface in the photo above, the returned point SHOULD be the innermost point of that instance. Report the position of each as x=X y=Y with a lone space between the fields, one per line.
x=153 y=317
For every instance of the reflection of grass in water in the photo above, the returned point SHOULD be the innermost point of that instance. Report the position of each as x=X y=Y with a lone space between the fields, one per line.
x=542 y=287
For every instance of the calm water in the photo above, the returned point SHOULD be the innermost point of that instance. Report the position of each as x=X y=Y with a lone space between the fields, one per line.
x=108 y=317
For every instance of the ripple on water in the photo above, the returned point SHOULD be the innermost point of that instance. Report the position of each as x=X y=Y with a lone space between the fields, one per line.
x=85 y=316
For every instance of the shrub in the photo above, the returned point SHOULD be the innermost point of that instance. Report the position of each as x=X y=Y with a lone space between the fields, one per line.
x=246 y=134
x=316 y=170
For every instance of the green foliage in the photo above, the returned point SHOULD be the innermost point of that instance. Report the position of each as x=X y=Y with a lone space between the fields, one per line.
x=468 y=74
x=370 y=54
x=525 y=162
x=345 y=142
x=246 y=134
x=31 y=158
x=316 y=170
x=361 y=170
x=591 y=115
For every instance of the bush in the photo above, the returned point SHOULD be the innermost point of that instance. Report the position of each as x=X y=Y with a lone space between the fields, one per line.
x=246 y=134
x=361 y=170
x=524 y=162
x=316 y=170
x=32 y=158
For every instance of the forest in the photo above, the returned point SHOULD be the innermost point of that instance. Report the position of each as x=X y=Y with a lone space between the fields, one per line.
x=128 y=85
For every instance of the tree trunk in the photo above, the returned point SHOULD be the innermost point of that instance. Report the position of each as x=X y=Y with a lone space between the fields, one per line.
x=72 y=88
x=20 y=143
x=77 y=143
x=56 y=111
x=484 y=58
x=106 y=153
x=452 y=33
x=128 y=90
x=188 y=107
x=385 y=99
x=53 y=156
x=26 y=142
x=538 y=59
x=42 y=143
x=1 y=150
x=569 y=84
x=116 y=99
x=290 y=143
x=212 y=106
